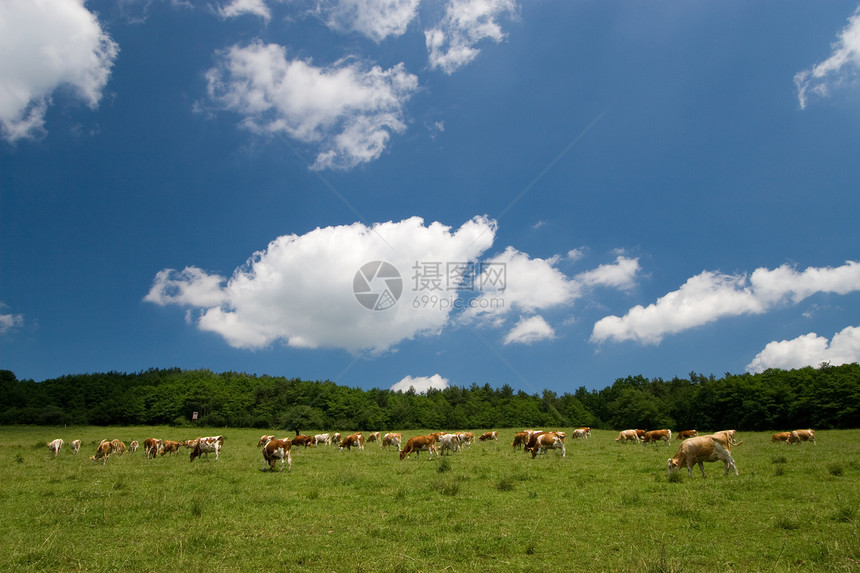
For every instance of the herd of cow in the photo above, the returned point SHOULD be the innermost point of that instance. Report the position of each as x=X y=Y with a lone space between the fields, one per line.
x=693 y=450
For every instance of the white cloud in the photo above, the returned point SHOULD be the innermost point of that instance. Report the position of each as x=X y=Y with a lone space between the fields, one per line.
x=710 y=296
x=236 y=8
x=530 y=329
x=299 y=290
x=420 y=383
x=451 y=44
x=376 y=19
x=45 y=45
x=347 y=110
x=8 y=321
x=840 y=69
x=621 y=274
x=809 y=350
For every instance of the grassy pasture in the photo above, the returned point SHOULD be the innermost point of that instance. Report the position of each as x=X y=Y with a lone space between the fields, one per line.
x=606 y=507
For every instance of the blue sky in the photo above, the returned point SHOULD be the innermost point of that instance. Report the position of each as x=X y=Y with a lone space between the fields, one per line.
x=563 y=192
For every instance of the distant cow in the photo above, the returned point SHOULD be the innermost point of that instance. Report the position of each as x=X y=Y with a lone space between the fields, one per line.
x=55 y=446
x=489 y=436
x=117 y=447
x=466 y=438
x=170 y=447
x=780 y=437
x=76 y=446
x=151 y=447
x=373 y=437
x=302 y=440
x=206 y=446
x=353 y=440
x=391 y=439
x=540 y=443
x=698 y=450
x=132 y=447
x=322 y=439
x=520 y=440
x=628 y=436
x=275 y=450
x=656 y=436
x=684 y=434
x=102 y=452
x=420 y=444
x=336 y=438
x=449 y=443
x=581 y=434
x=798 y=436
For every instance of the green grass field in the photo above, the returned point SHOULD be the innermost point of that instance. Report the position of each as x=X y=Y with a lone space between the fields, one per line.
x=605 y=507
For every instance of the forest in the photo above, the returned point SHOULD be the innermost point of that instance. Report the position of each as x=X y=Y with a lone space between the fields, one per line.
x=826 y=397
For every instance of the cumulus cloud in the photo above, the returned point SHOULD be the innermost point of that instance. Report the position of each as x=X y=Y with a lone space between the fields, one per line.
x=376 y=19
x=300 y=289
x=347 y=110
x=840 y=69
x=621 y=274
x=809 y=350
x=710 y=296
x=530 y=329
x=420 y=383
x=236 y=8
x=451 y=44
x=45 y=45
x=9 y=321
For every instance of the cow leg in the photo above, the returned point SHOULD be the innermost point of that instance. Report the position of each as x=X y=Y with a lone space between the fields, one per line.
x=702 y=467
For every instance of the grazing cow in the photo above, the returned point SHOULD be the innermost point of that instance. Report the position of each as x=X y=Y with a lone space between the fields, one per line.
x=275 y=450
x=132 y=447
x=698 y=450
x=657 y=435
x=798 y=436
x=420 y=444
x=374 y=437
x=76 y=446
x=466 y=438
x=264 y=439
x=117 y=447
x=489 y=436
x=102 y=452
x=780 y=437
x=449 y=443
x=627 y=436
x=302 y=440
x=582 y=433
x=336 y=438
x=55 y=446
x=206 y=446
x=353 y=440
x=170 y=447
x=322 y=439
x=151 y=447
x=391 y=439
x=520 y=440
x=684 y=434
x=540 y=443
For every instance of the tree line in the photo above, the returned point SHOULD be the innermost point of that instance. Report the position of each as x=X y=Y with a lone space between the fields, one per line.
x=827 y=397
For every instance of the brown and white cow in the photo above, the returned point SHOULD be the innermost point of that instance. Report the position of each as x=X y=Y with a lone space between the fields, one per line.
x=540 y=443
x=780 y=437
x=656 y=436
x=103 y=451
x=170 y=447
x=206 y=446
x=392 y=439
x=373 y=437
x=684 y=434
x=698 y=450
x=489 y=436
x=132 y=447
x=448 y=443
x=264 y=439
x=520 y=440
x=322 y=439
x=353 y=440
x=798 y=436
x=302 y=440
x=420 y=444
x=627 y=436
x=336 y=438
x=466 y=438
x=275 y=450
x=151 y=447
x=581 y=433
x=55 y=446
x=76 y=446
